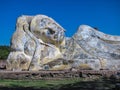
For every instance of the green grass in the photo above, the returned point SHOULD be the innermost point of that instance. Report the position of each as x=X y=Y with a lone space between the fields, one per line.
x=48 y=84
x=64 y=84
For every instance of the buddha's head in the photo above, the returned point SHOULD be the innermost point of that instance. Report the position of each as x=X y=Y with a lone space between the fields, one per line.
x=46 y=29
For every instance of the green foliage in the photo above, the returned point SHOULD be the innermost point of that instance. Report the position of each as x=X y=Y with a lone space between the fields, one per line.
x=4 y=51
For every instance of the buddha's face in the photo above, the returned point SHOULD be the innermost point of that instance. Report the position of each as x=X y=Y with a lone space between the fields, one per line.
x=47 y=29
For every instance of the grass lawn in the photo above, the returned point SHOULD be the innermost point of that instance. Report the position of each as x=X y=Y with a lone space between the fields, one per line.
x=65 y=84
x=47 y=84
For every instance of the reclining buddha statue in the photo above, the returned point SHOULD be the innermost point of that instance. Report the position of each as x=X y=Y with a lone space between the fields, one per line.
x=39 y=43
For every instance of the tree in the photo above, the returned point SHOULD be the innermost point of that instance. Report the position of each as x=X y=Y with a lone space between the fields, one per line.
x=4 y=52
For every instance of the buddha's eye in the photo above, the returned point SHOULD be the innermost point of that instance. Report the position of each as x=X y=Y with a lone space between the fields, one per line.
x=51 y=31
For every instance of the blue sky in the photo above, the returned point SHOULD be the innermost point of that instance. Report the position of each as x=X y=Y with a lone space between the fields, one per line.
x=103 y=14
